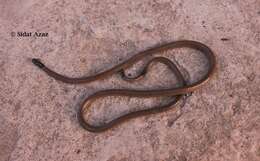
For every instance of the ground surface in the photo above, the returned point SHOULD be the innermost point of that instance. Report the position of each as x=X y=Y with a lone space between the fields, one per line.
x=220 y=122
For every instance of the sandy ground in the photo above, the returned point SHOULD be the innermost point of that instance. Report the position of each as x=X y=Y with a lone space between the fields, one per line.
x=220 y=122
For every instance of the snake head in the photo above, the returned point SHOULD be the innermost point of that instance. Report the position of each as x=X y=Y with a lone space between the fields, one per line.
x=38 y=63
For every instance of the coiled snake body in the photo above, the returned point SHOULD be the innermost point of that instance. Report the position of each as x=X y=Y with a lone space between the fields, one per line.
x=178 y=92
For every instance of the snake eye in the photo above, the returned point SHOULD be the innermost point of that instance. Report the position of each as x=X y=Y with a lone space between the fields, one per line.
x=38 y=63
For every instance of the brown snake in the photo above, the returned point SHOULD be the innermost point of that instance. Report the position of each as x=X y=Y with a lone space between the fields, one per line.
x=178 y=92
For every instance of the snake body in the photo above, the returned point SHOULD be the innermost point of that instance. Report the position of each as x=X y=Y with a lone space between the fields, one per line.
x=177 y=92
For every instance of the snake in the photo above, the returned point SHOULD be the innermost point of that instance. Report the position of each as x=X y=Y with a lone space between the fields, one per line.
x=182 y=91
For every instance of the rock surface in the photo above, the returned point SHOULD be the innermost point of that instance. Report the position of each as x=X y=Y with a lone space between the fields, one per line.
x=220 y=122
